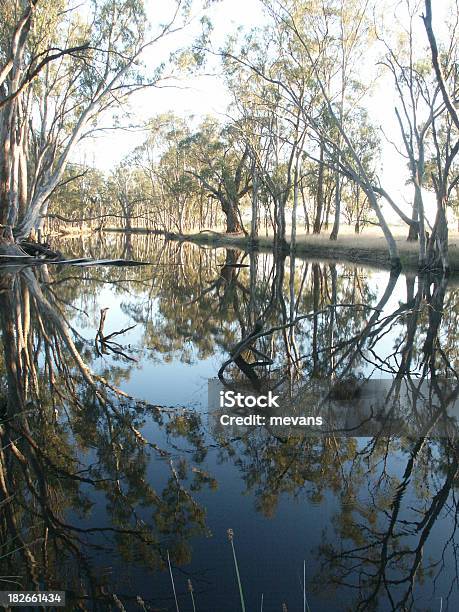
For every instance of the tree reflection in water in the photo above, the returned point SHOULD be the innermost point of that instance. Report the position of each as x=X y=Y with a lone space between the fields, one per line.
x=70 y=437
x=376 y=547
x=55 y=410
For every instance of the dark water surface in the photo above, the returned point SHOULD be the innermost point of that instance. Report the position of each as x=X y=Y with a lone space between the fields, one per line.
x=112 y=460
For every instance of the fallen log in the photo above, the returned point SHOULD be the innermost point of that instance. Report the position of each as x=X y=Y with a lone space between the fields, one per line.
x=28 y=260
x=38 y=249
x=83 y=262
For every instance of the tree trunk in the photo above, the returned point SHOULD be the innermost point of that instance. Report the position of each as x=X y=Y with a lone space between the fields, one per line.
x=335 y=230
x=391 y=244
x=305 y=210
x=413 y=233
x=254 y=220
x=5 y=140
x=320 y=194
x=233 y=224
x=295 y=206
x=280 y=242
x=327 y=201
x=437 y=251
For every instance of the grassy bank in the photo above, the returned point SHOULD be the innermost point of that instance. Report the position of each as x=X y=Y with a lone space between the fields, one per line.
x=368 y=248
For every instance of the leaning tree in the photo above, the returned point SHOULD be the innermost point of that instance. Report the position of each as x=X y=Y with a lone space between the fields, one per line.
x=61 y=67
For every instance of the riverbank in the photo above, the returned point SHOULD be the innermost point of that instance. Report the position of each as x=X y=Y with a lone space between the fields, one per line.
x=368 y=248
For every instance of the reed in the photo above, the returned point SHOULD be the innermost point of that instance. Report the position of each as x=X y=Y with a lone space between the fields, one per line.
x=190 y=589
x=236 y=567
x=230 y=532
x=141 y=603
x=305 y=600
x=172 y=582
x=118 y=603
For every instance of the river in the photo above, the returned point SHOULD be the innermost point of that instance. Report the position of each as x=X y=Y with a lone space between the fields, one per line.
x=116 y=471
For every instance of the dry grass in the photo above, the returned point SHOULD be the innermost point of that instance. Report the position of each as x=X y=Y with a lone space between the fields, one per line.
x=369 y=247
x=372 y=238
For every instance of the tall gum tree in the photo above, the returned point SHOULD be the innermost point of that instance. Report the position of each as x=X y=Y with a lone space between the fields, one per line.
x=274 y=128
x=445 y=70
x=220 y=163
x=307 y=32
x=418 y=106
x=341 y=151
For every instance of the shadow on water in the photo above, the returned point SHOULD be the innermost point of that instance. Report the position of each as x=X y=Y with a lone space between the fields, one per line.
x=114 y=461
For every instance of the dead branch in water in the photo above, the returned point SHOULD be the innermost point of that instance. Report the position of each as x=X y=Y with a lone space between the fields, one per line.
x=105 y=345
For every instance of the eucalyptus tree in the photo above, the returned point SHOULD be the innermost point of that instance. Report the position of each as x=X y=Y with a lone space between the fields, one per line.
x=341 y=149
x=324 y=96
x=61 y=66
x=195 y=177
x=418 y=109
x=349 y=36
x=445 y=153
x=124 y=187
x=258 y=127
x=220 y=163
x=274 y=127
x=173 y=197
x=81 y=187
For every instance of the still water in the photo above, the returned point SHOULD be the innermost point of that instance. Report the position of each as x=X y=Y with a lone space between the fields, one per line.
x=115 y=474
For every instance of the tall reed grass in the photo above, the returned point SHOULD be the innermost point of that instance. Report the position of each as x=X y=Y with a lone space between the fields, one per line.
x=190 y=588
